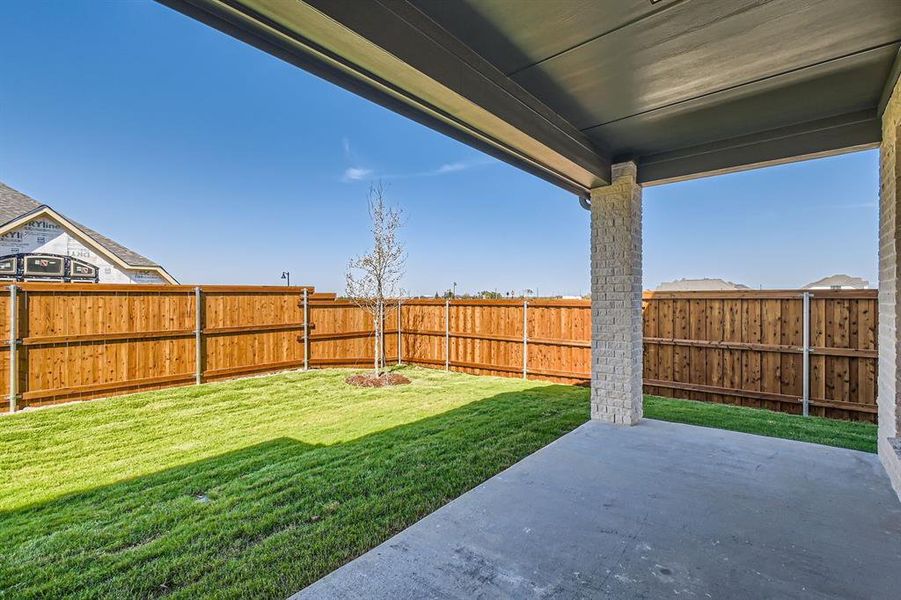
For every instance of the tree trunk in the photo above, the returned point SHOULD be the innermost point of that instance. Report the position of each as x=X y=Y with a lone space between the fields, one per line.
x=377 y=327
x=382 y=334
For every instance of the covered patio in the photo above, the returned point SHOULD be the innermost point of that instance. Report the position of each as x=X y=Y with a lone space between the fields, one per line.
x=656 y=511
x=603 y=98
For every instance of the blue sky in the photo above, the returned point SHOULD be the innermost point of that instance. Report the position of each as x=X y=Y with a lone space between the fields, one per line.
x=229 y=166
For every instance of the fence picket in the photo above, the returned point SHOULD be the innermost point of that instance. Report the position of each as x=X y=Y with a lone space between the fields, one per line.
x=85 y=341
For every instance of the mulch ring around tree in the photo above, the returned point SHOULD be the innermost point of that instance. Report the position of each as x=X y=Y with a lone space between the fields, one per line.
x=370 y=380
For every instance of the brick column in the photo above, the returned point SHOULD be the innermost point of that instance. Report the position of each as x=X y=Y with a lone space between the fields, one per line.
x=889 y=241
x=616 y=299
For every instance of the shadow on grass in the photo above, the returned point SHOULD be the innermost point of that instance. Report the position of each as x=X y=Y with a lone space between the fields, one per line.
x=267 y=520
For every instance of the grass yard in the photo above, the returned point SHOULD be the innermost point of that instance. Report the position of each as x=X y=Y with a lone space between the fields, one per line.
x=252 y=488
x=844 y=434
x=258 y=487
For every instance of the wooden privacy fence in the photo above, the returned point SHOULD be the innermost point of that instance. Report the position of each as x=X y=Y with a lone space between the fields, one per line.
x=746 y=348
x=69 y=341
x=749 y=348
x=743 y=348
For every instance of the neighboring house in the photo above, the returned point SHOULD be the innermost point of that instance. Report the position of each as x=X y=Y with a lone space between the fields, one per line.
x=38 y=243
x=839 y=282
x=699 y=285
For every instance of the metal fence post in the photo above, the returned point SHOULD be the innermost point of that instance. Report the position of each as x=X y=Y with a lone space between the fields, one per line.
x=400 y=339
x=13 y=347
x=805 y=376
x=447 y=335
x=198 y=336
x=525 y=339
x=306 y=330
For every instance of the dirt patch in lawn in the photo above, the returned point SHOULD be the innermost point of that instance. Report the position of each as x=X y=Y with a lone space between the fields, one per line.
x=370 y=380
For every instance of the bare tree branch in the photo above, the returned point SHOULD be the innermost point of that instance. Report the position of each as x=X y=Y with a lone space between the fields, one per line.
x=374 y=276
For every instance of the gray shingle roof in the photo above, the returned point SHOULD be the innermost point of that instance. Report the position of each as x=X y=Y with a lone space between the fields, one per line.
x=14 y=204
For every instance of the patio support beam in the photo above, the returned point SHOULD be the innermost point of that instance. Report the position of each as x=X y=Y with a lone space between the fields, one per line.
x=616 y=344
x=889 y=395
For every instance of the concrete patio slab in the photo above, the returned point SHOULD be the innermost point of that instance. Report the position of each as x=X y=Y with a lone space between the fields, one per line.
x=653 y=511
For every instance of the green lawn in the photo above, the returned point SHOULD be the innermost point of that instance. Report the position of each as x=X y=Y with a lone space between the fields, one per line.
x=255 y=488
x=251 y=488
x=844 y=434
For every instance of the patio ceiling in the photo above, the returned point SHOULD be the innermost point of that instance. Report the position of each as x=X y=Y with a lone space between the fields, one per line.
x=563 y=89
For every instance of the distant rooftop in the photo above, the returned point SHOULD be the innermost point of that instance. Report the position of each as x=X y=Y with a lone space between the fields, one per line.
x=839 y=281
x=706 y=284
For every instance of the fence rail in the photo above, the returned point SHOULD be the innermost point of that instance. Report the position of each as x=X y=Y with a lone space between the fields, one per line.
x=749 y=348
x=745 y=348
x=78 y=341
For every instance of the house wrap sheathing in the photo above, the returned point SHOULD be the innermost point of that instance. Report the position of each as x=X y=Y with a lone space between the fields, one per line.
x=28 y=227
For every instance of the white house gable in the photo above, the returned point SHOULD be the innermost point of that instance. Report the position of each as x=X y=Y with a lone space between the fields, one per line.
x=46 y=235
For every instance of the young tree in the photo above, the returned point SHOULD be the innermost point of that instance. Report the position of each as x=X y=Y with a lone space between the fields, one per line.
x=374 y=276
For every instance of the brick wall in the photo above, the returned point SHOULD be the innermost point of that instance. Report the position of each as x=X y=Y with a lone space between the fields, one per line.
x=889 y=238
